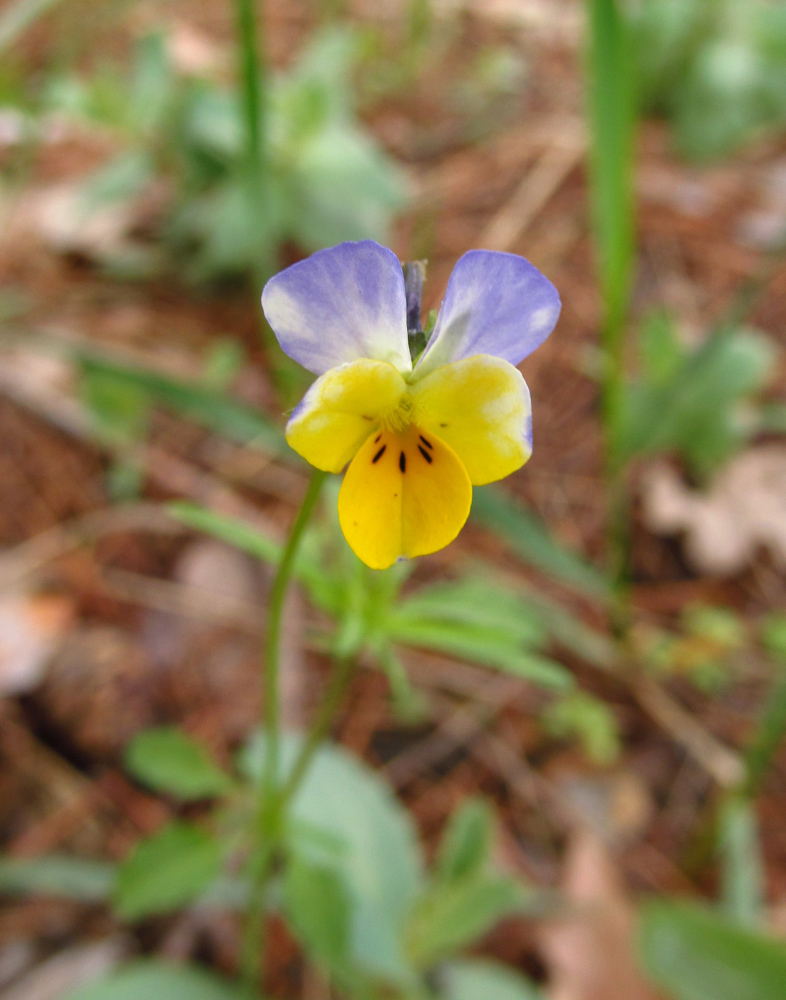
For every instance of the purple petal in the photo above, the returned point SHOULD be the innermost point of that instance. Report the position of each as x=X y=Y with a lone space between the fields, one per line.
x=340 y=305
x=496 y=303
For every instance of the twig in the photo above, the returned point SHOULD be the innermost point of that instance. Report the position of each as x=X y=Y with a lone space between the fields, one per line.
x=725 y=766
x=30 y=556
x=534 y=191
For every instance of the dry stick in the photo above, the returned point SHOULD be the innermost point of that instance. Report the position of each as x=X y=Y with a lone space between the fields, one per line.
x=721 y=763
x=31 y=556
x=534 y=191
x=456 y=730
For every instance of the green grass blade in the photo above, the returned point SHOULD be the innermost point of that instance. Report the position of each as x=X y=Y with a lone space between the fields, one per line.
x=528 y=537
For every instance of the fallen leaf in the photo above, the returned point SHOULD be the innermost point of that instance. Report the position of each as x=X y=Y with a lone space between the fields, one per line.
x=744 y=509
x=31 y=628
x=590 y=952
x=69 y=969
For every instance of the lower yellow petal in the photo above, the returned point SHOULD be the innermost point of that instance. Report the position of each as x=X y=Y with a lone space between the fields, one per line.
x=481 y=408
x=341 y=409
x=404 y=494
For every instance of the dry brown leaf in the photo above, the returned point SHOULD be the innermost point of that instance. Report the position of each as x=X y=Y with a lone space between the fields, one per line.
x=31 y=627
x=744 y=509
x=590 y=952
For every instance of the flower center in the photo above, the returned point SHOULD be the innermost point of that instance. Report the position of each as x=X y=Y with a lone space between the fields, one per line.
x=399 y=418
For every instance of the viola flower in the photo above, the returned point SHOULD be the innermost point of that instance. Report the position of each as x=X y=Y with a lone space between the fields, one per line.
x=417 y=437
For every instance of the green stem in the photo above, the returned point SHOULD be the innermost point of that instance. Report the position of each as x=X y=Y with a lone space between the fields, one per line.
x=273 y=639
x=612 y=120
x=337 y=687
x=253 y=77
x=268 y=828
x=252 y=69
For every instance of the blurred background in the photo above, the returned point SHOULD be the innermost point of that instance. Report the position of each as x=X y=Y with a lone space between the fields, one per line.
x=601 y=654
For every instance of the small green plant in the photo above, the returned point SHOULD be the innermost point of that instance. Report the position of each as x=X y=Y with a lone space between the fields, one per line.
x=700 y=403
x=325 y=177
x=715 y=68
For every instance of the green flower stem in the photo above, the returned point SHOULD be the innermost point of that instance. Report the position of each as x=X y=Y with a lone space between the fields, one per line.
x=612 y=119
x=340 y=680
x=273 y=639
x=252 y=72
x=271 y=806
x=253 y=77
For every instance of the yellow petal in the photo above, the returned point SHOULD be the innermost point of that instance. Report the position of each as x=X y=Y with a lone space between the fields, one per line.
x=404 y=494
x=481 y=408
x=341 y=409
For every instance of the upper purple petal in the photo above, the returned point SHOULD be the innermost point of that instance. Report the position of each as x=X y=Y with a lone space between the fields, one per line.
x=340 y=305
x=495 y=303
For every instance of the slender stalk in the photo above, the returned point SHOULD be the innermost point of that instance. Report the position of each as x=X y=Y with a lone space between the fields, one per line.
x=337 y=687
x=612 y=120
x=252 y=74
x=267 y=830
x=252 y=68
x=273 y=639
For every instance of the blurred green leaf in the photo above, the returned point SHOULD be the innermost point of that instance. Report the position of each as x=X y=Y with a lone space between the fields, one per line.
x=695 y=411
x=121 y=179
x=482 y=645
x=169 y=761
x=696 y=955
x=480 y=979
x=741 y=862
x=319 y=908
x=716 y=69
x=466 y=843
x=452 y=915
x=227 y=529
x=367 y=839
x=611 y=93
x=120 y=409
x=166 y=871
x=151 y=980
x=529 y=538
x=56 y=875
x=475 y=601
x=213 y=409
x=590 y=720
x=774 y=635
x=767 y=735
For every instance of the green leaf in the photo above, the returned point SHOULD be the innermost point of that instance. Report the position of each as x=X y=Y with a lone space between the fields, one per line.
x=696 y=955
x=479 y=979
x=455 y=914
x=741 y=862
x=167 y=870
x=467 y=841
x=169 y=761
x=612 y=103
x=481 y=645
x=589 y=719
x=208 y=407
x=475 y=601
x=119 y=180
x=58 y=875
x=346 y=818
x=119 y=409
x=151 y=980
x=318 y=905
x=768 y=735
x=227 y=529
x=529 y=538
x=695 y=411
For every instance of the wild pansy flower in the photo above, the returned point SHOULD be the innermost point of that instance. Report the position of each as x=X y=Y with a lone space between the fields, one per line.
x=417 y=436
